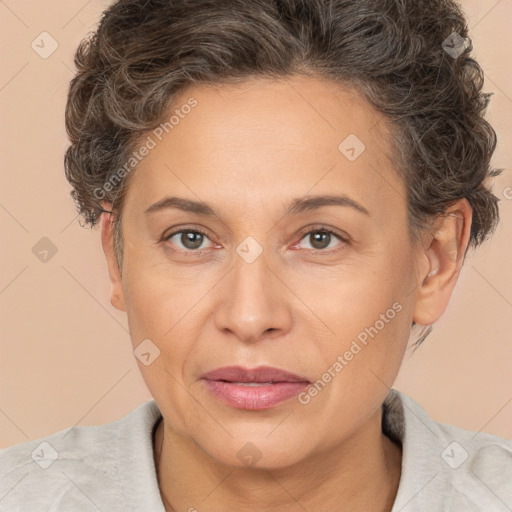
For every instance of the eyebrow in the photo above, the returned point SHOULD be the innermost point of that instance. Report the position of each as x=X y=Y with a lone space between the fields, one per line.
x=297 y=206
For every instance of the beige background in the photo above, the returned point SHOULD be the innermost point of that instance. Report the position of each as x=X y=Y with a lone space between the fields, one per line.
x=65 y=355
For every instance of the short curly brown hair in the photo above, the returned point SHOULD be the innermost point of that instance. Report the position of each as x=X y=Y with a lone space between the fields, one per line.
x=410 y=59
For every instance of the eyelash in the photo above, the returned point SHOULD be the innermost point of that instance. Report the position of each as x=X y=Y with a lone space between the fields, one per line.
x=322 y=229
x=319 y=229
x=166 y=238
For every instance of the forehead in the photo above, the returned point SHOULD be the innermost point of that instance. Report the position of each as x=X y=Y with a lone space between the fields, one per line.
x=261 y=138
x=298 y=110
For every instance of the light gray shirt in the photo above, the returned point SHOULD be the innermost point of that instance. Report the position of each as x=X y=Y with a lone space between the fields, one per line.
x=111 y=467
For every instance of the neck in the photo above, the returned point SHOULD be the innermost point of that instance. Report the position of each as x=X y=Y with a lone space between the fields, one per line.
x=360 y=474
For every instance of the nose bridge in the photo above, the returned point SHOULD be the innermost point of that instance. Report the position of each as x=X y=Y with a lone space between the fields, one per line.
x=251 y=304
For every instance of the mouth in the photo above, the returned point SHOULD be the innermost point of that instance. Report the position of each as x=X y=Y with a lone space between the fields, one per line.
x=253 y=389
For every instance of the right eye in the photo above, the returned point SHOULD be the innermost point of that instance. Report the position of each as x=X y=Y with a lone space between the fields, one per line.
x=190 y=239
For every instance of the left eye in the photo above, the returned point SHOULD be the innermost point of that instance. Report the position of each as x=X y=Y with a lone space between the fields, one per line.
x=321 y=238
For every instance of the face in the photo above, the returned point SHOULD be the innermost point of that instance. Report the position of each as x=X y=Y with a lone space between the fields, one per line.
x=265 y=274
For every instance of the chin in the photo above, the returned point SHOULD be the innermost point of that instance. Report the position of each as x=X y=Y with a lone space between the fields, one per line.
x=256 y=449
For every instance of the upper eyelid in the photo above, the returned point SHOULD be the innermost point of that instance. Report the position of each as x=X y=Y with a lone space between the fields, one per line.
x=167 y=237
x=344 y=239
x=332 y=231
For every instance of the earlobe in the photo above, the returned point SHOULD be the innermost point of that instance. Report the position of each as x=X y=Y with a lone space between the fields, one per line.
x=107 y=241
x=445 y=255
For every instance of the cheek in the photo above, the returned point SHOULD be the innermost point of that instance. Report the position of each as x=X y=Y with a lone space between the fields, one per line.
x=145 y=307
x=370 y=313
x=167 y=307
x=360 y=363
x=372 y=337
x=365 y=300
x=156 y=297
x=157 y=311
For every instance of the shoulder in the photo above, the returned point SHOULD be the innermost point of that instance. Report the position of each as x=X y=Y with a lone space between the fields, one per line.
x=64 y=469
x=461 y=447
x=447 y=466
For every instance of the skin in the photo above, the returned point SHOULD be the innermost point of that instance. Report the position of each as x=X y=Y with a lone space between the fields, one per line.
x=248 y=150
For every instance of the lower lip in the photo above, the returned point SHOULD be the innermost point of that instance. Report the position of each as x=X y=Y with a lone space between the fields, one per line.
x=254 y=398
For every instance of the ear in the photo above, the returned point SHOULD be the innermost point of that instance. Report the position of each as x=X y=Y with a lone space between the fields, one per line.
x=107 y=241
x=444 y=254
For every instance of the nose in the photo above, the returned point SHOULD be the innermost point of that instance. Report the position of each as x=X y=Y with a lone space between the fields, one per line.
x=254 y=303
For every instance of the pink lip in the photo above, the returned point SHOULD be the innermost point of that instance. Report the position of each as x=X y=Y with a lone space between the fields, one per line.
x=283 y=385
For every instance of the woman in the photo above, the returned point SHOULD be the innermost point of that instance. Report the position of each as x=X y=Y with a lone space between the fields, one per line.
x=286 y=192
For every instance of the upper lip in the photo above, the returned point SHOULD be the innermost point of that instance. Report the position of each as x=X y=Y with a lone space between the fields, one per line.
x=259 y=374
